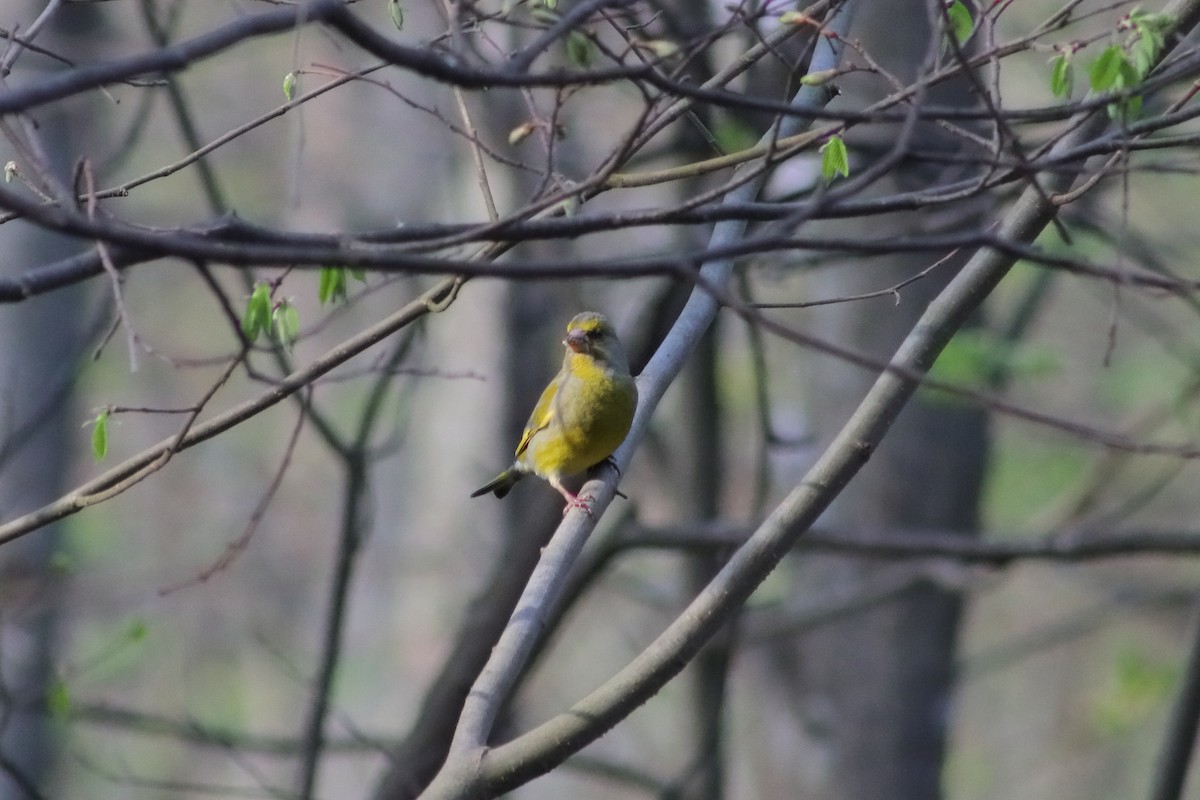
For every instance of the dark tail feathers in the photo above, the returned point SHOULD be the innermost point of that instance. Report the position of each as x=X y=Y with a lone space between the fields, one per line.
x=501 y=484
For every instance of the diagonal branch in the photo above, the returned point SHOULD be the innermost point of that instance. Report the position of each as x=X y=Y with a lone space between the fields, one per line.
x=537 y=751
x=467 y=772
x=102 y=485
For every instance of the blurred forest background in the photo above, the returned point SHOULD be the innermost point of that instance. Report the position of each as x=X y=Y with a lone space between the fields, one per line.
x=994 y=608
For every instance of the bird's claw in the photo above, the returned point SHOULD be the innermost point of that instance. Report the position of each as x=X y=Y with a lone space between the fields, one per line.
x=581 y=503
x=612 y=462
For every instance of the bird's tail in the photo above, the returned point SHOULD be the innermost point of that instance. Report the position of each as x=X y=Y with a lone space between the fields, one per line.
x=500 y=484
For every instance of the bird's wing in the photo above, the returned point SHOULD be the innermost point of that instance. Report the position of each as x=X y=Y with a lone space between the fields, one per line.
x=543 y=412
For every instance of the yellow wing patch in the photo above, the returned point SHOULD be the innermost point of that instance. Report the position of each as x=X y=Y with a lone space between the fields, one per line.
x=543 y=412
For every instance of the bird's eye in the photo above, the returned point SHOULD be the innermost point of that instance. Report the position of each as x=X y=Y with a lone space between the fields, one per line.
x=594 y=333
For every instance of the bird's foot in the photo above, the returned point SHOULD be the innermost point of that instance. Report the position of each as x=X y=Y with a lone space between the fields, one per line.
x=579 y=502
x=612 y=462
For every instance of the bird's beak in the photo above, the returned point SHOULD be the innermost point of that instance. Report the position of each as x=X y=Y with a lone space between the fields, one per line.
x=578 y=342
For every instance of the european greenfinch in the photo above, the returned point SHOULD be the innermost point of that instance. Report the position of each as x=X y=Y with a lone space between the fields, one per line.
x=582 y=416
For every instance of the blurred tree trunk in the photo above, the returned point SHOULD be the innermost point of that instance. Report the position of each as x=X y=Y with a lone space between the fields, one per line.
x=872 y=691
x=704 y=475
x=44 y=340
x=530 y=319
x=40 y=431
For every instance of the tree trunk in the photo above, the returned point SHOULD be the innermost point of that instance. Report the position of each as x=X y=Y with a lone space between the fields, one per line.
x=870 y=693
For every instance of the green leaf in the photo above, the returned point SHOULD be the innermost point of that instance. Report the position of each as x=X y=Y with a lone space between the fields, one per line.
x=1130 y=107
x=1138 y=688
x=662 y=48
x=970 y=358
x=137 y=630
x=819 y=78
x=568 y=207
x=1144 y=53
x=62 y=563
x=359 y=275
x=58 y=699
x=961 y=23
x=258 y=312
x=1151 y=27
x=1106 y=69
x=100 y=436
x=325 y=285
x=580 y=50
x=286 y=324
x=332 y=285
x=834 y=159
x=521 y=133
x=1127 y=75
x=1062 y=76
x=545 y=15
x=733 y=134
x=976 y=355
x=1148 y=39
x=397 y=12
x=289 y=86
x=1028 y=475
x=1127 y=110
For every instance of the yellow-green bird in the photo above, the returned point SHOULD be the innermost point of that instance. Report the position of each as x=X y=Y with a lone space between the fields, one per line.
x=583 y=415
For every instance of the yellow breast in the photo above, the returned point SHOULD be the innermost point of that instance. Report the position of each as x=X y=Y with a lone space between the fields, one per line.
x=592 y=411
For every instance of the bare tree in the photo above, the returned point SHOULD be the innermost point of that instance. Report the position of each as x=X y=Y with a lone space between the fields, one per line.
x=300 y=291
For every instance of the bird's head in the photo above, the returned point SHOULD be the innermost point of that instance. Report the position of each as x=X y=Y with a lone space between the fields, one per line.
x=592 y=334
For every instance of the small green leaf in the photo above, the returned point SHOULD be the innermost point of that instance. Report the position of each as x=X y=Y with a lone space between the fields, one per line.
x=569 y=207
x=1127 y=78
x=834 y=160
x=58 y=699
x=1152 y=28
x=332 y=285
x=1138 y=688
x=100 y=436
x=545 y=15
x=1127 y=75
x=1127 y=110
x=976 y=356
x=1062 y=76
x=1146 y=43
x=661 y=48
x=580 y=50
x=325 y=281
x=733 y=134
x=397 y=12
x=62 y=563
x=1156 y=36
x=359 y=275
x=1106 y=69
x=818 y=78
x=137 y=630
x=286 y=324
x=1144 y=53
x=258 y=312
x=1156 y=30
x=961 y=23
x=289 y=86
x=521 y=132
